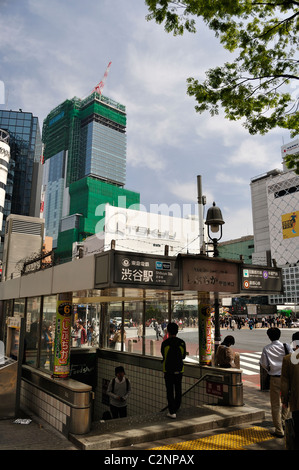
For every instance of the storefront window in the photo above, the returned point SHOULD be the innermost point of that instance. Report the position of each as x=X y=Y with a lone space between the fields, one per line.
x=32 y=330
x=48 y=333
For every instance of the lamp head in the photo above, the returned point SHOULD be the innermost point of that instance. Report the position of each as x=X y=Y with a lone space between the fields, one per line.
x=214 y=218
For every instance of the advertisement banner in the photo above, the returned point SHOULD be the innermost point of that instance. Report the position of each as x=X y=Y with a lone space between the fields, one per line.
x=290 y=225
x=205 y=335
x=62 y=339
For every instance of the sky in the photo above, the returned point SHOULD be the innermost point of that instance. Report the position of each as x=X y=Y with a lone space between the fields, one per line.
x=54 y=50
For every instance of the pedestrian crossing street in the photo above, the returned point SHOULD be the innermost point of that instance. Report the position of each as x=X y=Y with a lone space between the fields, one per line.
x=250 y=363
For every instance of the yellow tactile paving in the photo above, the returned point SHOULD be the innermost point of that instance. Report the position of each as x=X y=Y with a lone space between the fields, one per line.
x=234 y=440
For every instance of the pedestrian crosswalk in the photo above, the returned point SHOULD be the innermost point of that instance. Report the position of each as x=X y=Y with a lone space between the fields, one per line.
x=250 y=363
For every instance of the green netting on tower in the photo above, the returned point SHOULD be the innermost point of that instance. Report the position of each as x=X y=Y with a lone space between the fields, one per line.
x=65 y=242
x=88 y=197
x=96 y=107
x=62 y=128
x=57 y=126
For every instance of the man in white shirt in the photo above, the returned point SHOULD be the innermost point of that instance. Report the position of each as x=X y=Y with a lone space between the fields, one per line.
x=271 y=360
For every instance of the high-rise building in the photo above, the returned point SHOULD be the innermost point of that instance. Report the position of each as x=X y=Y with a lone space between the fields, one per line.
x=24 y=179
x=275 y=211
x=4 y=162
x=84 y=168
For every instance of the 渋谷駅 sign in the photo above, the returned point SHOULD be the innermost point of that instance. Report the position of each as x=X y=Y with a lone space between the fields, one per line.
x=145 y=270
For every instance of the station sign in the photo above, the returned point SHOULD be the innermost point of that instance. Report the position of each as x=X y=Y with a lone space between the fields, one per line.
x=200 y=273
x=128 y=269
x=260 y=279
x=145 y=271
x=185 y=272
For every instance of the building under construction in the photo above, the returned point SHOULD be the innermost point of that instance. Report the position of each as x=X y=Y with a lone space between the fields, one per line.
x=84 y=167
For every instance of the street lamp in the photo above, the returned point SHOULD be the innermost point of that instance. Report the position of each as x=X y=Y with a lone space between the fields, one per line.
x=214 y=221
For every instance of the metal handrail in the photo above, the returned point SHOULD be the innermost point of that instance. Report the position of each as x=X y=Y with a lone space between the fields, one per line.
x=189 y=389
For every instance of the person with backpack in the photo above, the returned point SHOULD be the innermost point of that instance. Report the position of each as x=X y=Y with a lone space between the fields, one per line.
x=118 y=391
x=173 y=351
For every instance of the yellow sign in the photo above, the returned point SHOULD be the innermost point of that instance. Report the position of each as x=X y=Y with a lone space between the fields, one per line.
x=290 y=225
x=62 y=339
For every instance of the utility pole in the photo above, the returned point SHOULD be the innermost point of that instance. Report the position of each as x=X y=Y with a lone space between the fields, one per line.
x=201 y=202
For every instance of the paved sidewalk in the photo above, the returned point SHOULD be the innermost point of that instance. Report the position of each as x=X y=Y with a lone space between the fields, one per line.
x=37 y=435
x=122 y=433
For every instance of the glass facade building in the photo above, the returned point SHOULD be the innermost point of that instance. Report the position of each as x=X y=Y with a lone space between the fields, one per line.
x=104 y=151
x=24 y=179
x=54 y=175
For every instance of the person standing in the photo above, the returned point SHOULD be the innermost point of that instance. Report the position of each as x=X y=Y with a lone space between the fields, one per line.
x=173 y=351
x=118 y=390
x=290 y=384
x=158 y=330
x=140 y=331
x=271 y=360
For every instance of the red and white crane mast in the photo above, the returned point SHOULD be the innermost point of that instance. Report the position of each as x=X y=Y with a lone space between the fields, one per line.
x=99 y=87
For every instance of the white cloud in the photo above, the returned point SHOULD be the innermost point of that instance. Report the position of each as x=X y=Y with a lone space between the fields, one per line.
x=187 y=190
x=52 y=51
x=255 y=154
x=230 y=179
x=238 y=222
x=140 y=156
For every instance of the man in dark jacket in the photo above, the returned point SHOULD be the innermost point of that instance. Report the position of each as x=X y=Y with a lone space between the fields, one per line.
x=290 y=385
x=173 y=350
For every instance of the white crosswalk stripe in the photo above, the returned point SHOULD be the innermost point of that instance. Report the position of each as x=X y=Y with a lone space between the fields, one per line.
x=250 y=363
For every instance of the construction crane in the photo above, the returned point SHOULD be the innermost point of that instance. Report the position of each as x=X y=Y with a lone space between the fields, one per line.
x=100 y=86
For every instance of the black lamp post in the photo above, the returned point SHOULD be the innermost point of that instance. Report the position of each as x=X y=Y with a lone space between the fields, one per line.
x=214 y=221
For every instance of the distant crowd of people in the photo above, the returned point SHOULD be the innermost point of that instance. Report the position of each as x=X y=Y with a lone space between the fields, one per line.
x=264 y=322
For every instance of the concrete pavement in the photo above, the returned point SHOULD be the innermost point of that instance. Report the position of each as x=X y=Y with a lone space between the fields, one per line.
x=142 y=432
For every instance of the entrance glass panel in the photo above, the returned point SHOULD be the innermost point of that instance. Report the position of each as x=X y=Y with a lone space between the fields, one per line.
x=32 y=330
x=19 y=308
x=86 y=325
x=48 y=333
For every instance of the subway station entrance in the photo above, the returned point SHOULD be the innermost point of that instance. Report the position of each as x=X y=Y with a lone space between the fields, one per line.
x=120 y=305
